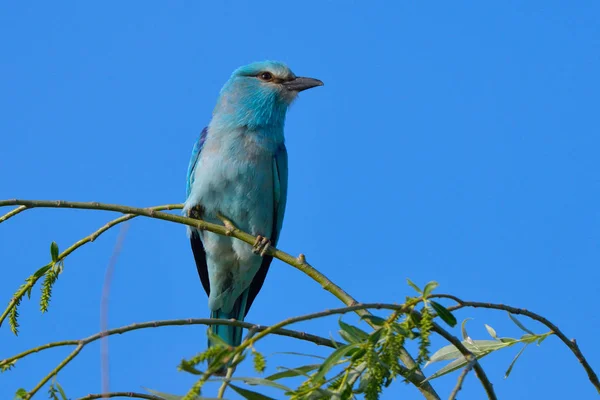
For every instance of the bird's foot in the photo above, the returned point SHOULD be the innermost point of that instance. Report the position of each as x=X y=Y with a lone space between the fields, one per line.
x=261 y=245
x=229 y=226
x=195 y=212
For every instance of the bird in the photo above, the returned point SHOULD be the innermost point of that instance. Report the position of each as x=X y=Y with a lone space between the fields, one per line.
x=238 y=175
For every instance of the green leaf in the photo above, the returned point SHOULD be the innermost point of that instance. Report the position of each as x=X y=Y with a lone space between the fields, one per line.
x=512 y=364
x=256 y=382
x=376 y=335
x=291 y=372
x=477 y=347
x=491 y=331
x=54 y=251
x=463 y=329
x=249 y=394
x=21 y=393
x=351 y=333
x=294 y=353
x=543 y=338
x=519 y=324
x=443 y=313
x=332 y=360
x=375 y=320
x=42 y=271
x=429 y=288
x=61 y=391
x=412 y=285
x=453 y=366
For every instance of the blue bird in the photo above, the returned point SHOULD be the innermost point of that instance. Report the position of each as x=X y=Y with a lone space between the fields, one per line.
x=239 y=171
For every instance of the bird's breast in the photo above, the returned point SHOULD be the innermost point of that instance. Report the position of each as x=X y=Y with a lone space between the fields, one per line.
x=234 y=177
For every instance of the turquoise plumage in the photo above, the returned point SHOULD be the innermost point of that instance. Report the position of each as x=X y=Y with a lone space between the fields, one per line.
x=239 y=170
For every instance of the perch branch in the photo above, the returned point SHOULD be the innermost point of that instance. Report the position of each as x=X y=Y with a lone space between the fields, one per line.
x=417 y=377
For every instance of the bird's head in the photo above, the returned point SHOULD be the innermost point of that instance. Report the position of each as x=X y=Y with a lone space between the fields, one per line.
x=259 y=94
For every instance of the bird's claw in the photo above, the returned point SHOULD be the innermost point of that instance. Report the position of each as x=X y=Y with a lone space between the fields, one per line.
x=261 y=245
x=229 y=226
x=195 y=212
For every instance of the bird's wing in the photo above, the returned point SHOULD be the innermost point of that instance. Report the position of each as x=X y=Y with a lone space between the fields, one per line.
x=280 y=185
x=194 y=160
x=195 y=241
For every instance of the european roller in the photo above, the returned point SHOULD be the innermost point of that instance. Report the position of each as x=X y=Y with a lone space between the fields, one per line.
x=239 y=171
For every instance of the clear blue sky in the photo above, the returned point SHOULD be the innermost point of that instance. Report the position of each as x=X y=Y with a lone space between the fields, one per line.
x=456 y=143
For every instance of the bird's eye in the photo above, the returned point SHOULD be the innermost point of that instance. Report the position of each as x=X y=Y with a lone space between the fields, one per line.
x=265 y=76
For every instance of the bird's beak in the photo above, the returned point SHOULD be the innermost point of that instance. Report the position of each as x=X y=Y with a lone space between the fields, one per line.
x=299 y=84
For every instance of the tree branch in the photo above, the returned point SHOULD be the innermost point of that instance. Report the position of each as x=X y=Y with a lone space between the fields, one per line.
x=30 y=283
x=133 y=395
x=571 y=344
x=461 y=379
x=318 y=340
x=417 y=377
x=12 y=213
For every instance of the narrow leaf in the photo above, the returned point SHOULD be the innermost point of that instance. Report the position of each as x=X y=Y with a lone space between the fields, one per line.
x=519 y=324
x=443 y=313
x=61 y=391
x=512 y=364
x=463 y=329
x=542 y=339
x=491 y=331
x=294 y=353
x=249 y=394
x=376 y=335
x=332 y=360
x=412 y=285
x=429 y=288
x=291 y=372
x=42 y=271
x=54 y=251
x=351 y=333
x=256 y=382
x=477 y=347
x=375 y=320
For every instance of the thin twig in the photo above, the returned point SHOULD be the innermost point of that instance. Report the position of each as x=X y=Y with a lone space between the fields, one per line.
x=55 y=371
x=12 y=213
x=417 y=377
x=88 y=239
x=318 y=340
x=571 y=344
x=461 y=378
x=132 y=395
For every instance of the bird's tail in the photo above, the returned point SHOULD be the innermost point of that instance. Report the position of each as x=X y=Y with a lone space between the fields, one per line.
x=232 y=335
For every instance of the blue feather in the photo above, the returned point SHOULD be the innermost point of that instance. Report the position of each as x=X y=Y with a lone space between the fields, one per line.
x=239 y=169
